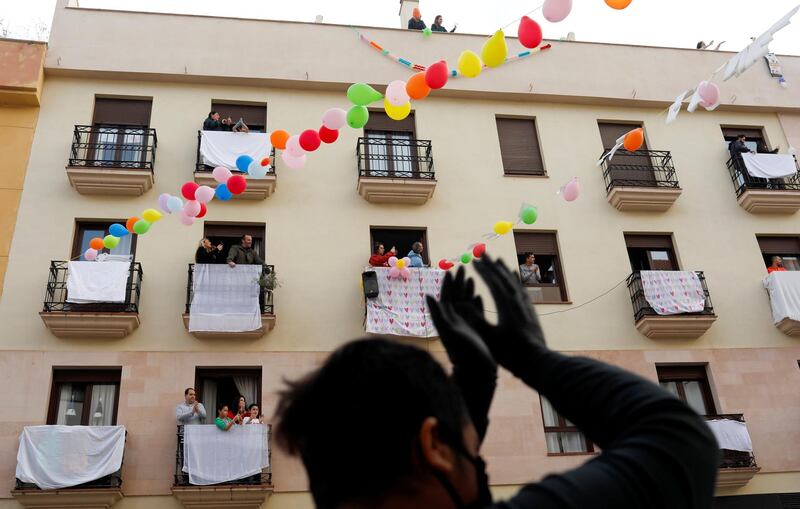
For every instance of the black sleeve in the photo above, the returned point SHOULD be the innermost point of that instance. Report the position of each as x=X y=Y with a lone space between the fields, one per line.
x=657 y=452
x=477 y=389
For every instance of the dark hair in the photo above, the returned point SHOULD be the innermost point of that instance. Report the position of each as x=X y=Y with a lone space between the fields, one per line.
x=700 y=45
x=186 y=392
x=246 y=235
x=377 y=245
x=741 y=136
x=220 y=407
x=212 y=113
x=437 y=17
x=528 y=255
x=415 y=245
x=252 y=405
x=381 y=392
x=241 y=397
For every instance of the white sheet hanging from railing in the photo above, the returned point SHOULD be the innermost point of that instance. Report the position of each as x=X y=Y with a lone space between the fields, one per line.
x=784 y=294
x=89 y=282
x=213 y=456
x=400 y=308
x=672 y=292
x=225 y=299
x=731 y=435
x=769 y=166
x=222 y=148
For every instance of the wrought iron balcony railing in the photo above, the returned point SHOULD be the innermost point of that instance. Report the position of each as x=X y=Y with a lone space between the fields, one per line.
x=110 y=481
x=55 y=299
x=200 y=165
x=395 y=158
x=114 y=146
x=734 y=459
x=643 y=168
x=262 y=479
x=642 y=308
x=742 y=180
x=264 y=297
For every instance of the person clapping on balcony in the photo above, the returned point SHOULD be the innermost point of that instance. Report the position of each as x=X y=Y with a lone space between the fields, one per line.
x=208 y=253
x=224 y=422
x=416 y=255
x=380 y=258
x=243 y=253
x=190 y=411
x=529 y=272
x=212 y=122
x=253 y=418
x=241 y=409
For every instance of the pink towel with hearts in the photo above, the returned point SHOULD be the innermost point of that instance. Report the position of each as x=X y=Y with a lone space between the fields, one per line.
x=672 y=292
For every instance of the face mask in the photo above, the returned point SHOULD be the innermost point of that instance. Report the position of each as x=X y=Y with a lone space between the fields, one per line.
x=484 y=499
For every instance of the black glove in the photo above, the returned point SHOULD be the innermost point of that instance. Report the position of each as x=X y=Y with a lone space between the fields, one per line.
x=474 y=369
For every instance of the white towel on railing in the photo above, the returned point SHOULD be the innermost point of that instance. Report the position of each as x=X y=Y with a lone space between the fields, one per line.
x=784 y=294
x=671 y=292
x=221 y=148
x=54 y=457
x=731 y=435
x=769 y=166
x=225 y=299
x=213 y=456
x=97 y=281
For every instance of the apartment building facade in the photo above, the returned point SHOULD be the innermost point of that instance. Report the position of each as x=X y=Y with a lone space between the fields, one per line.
x=124 y=96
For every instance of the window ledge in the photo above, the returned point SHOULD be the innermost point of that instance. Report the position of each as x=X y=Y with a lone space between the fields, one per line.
x=527 y=175
x=552 y=302
x=595 y=453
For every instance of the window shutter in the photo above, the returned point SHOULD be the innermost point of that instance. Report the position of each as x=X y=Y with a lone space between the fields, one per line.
x=135 y=112
x=752 y=134
x=379 y=121
x=538 y=243
x=779 y=245
x=610 y=132
x=254 y=115
x=649 y=241
x=519 y=146
x=686 y=372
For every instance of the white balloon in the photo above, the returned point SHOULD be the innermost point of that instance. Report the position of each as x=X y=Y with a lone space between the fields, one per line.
x=257 y=171
x=396 y=93
x=293 y=146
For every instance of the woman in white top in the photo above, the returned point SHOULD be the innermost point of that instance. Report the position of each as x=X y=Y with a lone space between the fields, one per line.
x=253 y=417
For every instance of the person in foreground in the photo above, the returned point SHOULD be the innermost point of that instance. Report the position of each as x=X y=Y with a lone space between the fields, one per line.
x=411 y=435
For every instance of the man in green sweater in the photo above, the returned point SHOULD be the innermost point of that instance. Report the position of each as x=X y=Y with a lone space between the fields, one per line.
x=244 y=253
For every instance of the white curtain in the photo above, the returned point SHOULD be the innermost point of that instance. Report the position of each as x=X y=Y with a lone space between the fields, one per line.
x=70 y=406
x=694 y=397
x=225 y=299
x=247 y=386
x=561 y=441
x=210 y=398
x=101 y=410
x=213 y=456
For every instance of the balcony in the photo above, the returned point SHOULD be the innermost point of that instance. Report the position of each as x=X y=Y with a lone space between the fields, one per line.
x=678 y=326
x=395 y=170
x=644 y=180
x=764 y=196
x=736 y=467
x=248 y=493
x=265 y=302
x=112 y=160
x=257 y=189
x=95 y=320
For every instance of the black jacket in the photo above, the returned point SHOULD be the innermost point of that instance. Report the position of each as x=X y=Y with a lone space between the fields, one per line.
x=414 y=24
x=210 y=124
x=737 y=147
x=440 y=28
x=213 y=256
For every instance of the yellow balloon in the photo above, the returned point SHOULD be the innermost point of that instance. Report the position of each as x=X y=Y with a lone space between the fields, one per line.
x=503 y=227
x=469 y=64
x=152 y=215
x=396 y=112
x=495 y=50
x=401 y=264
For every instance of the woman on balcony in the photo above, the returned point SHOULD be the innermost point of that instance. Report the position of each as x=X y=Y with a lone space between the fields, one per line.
x=208 y=253
x=380 y=258
x=241 y=409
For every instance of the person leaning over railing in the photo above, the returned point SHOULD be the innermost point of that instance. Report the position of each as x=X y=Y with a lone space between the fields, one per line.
x=380 y=258
x=411 y=435
x=190 y=411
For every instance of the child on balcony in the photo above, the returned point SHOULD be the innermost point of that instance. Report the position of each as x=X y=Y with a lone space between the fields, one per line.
x=224 y=422
x=253 y=418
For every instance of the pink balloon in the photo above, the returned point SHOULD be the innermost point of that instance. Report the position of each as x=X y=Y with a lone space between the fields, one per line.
x=404 y=272
x=204 y=194
x=392 y=261
x=396 y=93
x=394 y=272
x=407 y=260
x=162 y=202
x=293 y=146
x=709 y=94
x=221 y=174
x=293 y=162
x=334 y=118
x=90 y=254
x=571 y=190
x=188 y=221
x=556 y=10
x=192 y=208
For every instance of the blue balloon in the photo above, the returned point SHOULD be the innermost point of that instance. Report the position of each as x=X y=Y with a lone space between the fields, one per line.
x=118 y=230
x=222 y=192
x=243 y=162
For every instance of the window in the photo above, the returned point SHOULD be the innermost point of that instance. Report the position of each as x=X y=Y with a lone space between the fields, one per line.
x=754 y=140
x=519 y=146
x=230 y=234
x=561 y=435
x=223 y=386
x=85 y=231
x=84 y=397
x=391 y=146
x=636 y=167
x=253 y=114
x=650 y=252
x=788 y=248
x=400 y=238
x=690 y=385
x=550 y=286
x=119 y=132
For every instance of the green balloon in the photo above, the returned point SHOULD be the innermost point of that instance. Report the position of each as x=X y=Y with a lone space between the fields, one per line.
x=141 y=227
x=426 y=32
x=110 y=241
x=362 y=94
x=466 y=258
x=357 y=117
x=529 y=215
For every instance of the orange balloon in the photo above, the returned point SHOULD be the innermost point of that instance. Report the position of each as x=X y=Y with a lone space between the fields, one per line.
x=130 y=223
x=96 y=243
x=618 y=4
x=416 y=87
x=278 y=139
x=265 y=161
x=633 y=140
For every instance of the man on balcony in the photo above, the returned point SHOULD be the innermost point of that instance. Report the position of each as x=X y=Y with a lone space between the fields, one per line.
x=212 y=123
x=190 y=411
x=529 y=272
x=244 y=253
x=777 y=265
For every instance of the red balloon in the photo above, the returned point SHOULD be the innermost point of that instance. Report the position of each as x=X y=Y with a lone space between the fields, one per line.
x=436 y=75
x=237 y=184
x=529 y=33
x=445 y=265
x=478 y=250
x=309 y=140
x=328 y=135
x=188 y=189
x=203 y=210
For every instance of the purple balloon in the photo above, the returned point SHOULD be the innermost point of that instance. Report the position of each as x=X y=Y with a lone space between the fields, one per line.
x=162 y=202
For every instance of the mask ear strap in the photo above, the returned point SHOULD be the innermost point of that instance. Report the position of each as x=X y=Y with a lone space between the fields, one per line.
x=445 y=482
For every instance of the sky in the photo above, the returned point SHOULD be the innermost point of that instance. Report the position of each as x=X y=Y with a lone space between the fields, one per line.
x=678 y=23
